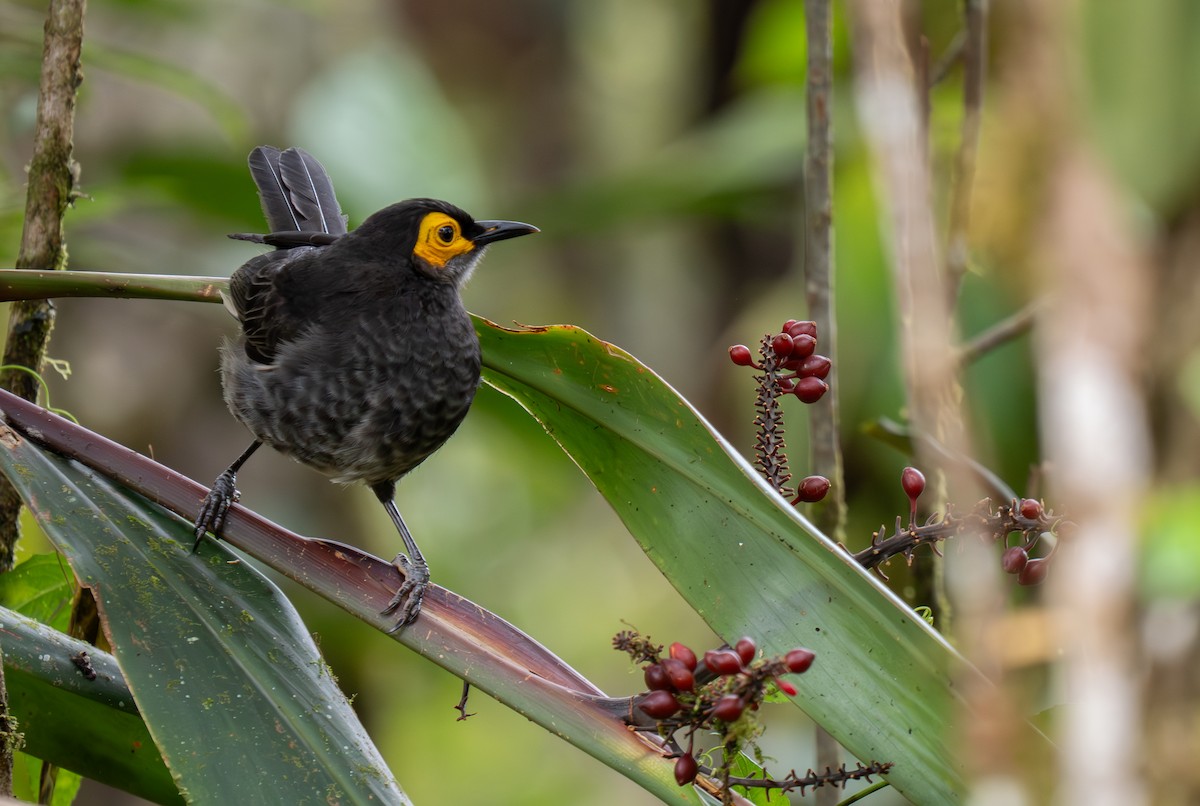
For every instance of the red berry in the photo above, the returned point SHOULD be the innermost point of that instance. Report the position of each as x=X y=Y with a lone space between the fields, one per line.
x=798 y=660
x=815 y=366
x=656 y=677
x=782 y=345
x=803 y=346
x=810 y=390
x=729 y=708
x=812 y=488
x=1013 y=560
x=746 y=650
x=686 y=769
x=1031 y=509
x=722 y=661
x=685 y=654
x=913 y=482
x=786 y=386
x=802 y=329
x=786 y=687
x=679 y=674
x=659 y=704
x=740 y=355
x=1034 y=572
x=787 y=326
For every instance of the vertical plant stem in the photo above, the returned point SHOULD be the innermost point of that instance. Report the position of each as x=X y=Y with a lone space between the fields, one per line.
x=974 y=73
x=886 y=94
x=52 y=172
x=890 y=111
x=829 y=514
x=1092 y=337
x=1090 y=342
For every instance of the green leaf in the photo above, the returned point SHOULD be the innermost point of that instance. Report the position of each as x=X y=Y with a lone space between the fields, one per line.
x=225 y=675
x=41 y=588
x=27 y=775
x=882 y=683
x=746 y=767
x=91 y=727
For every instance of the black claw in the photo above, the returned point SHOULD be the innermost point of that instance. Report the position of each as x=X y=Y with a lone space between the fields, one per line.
x=215 y=507
x=410 y=594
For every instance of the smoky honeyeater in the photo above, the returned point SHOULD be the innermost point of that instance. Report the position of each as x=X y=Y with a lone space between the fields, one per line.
x=356 y=356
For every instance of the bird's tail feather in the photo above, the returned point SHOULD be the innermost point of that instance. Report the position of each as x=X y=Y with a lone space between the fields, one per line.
x=296 y=192
x=264 y=169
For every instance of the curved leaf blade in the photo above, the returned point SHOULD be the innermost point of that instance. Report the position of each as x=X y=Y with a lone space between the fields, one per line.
x=91 y=727
x=225 y=675
x=739 y=554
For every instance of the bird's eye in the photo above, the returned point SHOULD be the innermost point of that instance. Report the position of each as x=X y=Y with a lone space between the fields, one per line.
x=445 y=234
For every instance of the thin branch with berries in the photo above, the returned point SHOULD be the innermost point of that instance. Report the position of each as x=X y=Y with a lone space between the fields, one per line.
x=789 y=365
x=1027 y=518
x=719 y=694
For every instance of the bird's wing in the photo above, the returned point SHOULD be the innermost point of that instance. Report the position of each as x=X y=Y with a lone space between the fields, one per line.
x=258 y=297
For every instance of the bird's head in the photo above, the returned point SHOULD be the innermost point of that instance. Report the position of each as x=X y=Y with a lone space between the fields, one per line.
x=443 y=242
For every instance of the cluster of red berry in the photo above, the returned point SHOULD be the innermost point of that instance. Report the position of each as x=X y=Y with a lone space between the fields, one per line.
x=789 y=365
x=1016 y=560
x=792 y=350
x=714 y=691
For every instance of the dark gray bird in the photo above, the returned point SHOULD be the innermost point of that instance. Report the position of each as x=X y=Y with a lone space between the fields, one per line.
x=356 y=355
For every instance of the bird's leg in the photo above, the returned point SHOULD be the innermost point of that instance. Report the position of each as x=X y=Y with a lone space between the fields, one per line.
x=223 y=493
x=412 y=565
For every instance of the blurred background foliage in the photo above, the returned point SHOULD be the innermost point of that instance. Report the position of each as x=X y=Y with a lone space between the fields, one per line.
x=659 y=146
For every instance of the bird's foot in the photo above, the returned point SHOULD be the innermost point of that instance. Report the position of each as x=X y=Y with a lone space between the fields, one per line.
x=408 y=598
x=216 y=507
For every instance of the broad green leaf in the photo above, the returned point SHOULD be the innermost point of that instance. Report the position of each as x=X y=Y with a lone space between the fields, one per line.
x=91 y=727
x=455 y=633
x=225 y=675
x=41 y=588
x=882 y=683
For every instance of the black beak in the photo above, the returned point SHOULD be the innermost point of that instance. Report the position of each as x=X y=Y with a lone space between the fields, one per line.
x=501 y=231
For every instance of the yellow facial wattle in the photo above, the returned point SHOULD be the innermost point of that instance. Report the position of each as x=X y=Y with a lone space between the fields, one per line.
x=440 y=239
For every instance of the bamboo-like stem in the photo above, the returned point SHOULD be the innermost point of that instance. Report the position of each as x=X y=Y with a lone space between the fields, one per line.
x=974 y=72
x=31 y=284
x=829 y=514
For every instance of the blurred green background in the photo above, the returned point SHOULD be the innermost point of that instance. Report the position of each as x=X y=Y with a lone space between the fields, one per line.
x=659 y=146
